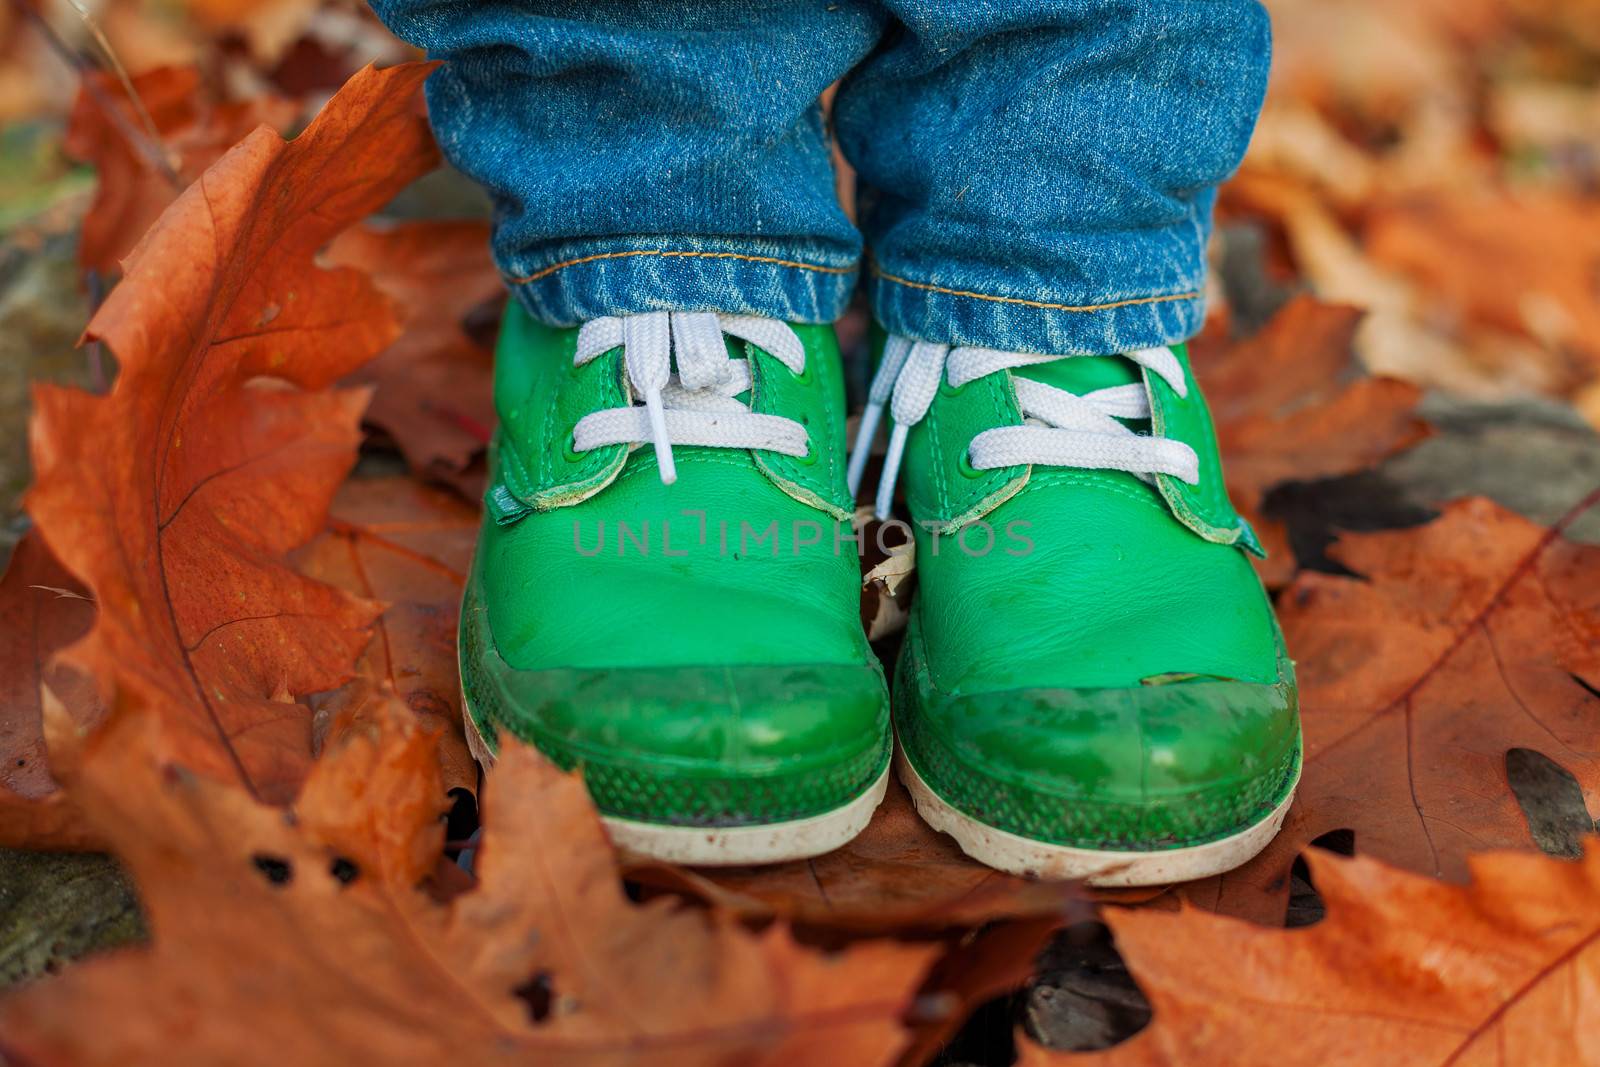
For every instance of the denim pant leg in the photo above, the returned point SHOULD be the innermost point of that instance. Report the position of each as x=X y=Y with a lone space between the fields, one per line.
x=646 y=156
x=1038 y=175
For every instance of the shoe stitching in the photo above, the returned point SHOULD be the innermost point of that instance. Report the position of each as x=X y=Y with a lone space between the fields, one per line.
x=1193 y=294
x=1068 y=479
x=680 y=254
x=792 y=469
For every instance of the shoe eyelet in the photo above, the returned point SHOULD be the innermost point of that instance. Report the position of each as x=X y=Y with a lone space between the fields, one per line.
x=569 y=454
x=948 y=390
x=811 y=456
x=805 y=375
x=964 y=465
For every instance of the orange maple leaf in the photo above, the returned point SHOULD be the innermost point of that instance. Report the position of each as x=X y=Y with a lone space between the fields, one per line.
x=1290 y=404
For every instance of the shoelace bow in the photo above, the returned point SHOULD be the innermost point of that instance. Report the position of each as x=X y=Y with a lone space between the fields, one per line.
x=1061 y=428
x=697 y=405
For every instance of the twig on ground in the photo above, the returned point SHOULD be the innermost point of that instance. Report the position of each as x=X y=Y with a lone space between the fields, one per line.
x=146 y=142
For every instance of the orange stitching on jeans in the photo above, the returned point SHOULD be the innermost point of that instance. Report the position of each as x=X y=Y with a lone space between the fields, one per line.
x=1192 y=295
x=536 y=275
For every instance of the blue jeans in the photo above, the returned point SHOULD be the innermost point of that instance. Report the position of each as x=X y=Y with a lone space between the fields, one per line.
x=1034 y=175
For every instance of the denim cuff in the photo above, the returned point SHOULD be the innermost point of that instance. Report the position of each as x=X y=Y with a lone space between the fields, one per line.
x=954 y=315
x=790 y=282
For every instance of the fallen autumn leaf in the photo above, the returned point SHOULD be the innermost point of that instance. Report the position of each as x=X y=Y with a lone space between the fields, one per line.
x=1405 y=972
x=140 y=171
x=175 y=497
x=1451 y=644
x=432 y=387
x=263 y=925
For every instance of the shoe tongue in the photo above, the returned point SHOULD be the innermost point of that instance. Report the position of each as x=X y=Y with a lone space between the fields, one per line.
x=1083 y=374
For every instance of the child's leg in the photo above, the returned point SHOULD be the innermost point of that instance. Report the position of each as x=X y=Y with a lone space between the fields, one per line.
x=665 y=592
x=1093 y=683
x=1039 y=175
x=646 y=156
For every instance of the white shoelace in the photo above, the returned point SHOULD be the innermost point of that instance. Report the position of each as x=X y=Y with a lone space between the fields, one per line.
x=696 y=405
x=1061 y=429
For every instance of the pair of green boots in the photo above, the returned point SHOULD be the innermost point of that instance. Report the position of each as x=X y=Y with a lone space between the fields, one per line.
x=666 y=595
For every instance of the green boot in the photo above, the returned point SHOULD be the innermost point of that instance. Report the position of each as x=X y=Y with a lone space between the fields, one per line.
x=1092 y=684
x=679 y=620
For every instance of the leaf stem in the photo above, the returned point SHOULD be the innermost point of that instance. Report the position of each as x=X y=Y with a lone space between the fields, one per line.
x=146 y=142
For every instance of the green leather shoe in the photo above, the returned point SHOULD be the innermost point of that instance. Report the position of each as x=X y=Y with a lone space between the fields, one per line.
x=676 y=618
x=1092 y=684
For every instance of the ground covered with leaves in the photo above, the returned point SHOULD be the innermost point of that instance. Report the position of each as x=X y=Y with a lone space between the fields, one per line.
x=245 y=322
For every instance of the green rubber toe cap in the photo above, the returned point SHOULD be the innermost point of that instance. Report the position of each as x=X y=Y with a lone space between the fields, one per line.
x=1175 y=762
x=688 y=745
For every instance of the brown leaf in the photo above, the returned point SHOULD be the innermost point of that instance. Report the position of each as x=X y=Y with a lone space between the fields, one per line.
x=1381 y=60
x=1525 y=263
x=137 y=176
x=1457 y=641
x=1399 y=83
x=42 y=609
x=989 y=964
x=1404 y=971
x=434 y=386
x=50 y=823
x=898 y=874
x=888 y=573
x=1397 y=336
x=409 y=546
x=1290 y=406
x=175 y=497
x=269 y=27
x=307 y=942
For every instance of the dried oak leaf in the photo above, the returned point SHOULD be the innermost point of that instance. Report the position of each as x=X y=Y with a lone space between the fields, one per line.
x=1289 y=405
x=888 y=575
x=434 y=387
x=409 y=546
x=1454 y=643
x=897 y=874
x=1375 y=62
x=1399 y=335
x=1404 y=971
x=42 y=609
x=1526 y=264
x=995 y=962
x=268 y=27
x=175 y=497
x=306 y=941
x=137 y=176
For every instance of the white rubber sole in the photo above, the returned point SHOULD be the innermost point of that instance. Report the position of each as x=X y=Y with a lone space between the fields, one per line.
x=1035 y=859
x=730 y=846
x=737 y=846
